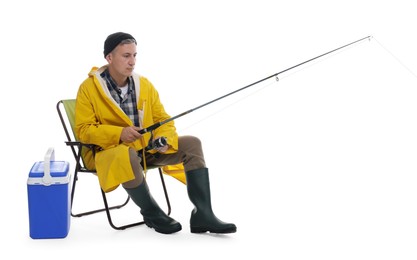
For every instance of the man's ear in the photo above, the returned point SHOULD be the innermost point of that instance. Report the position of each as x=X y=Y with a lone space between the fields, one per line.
x=109 y=58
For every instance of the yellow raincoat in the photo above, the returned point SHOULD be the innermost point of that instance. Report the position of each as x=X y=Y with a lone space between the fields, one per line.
x=99 y=120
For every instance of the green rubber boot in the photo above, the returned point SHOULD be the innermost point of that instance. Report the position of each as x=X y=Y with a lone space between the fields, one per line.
x=153 y=216
x=202 y=217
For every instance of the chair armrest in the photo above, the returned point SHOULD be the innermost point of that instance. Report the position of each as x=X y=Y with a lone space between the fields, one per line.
x=79 y=144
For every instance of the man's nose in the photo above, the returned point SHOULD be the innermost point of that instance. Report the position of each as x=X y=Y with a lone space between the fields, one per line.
x=132 y=61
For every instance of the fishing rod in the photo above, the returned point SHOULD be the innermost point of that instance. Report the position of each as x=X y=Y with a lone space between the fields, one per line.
x=154 y=126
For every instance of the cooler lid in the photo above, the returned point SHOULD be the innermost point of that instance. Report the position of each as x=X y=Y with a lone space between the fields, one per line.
x=58 y=169
x=58 y=173
x=49 y=171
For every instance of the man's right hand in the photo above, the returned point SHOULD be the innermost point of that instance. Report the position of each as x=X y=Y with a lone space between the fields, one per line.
x=130 y=134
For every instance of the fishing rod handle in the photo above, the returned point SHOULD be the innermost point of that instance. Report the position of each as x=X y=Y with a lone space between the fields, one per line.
x=149 y=129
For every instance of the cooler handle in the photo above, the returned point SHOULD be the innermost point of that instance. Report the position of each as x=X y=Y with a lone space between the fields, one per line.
x=49 y=156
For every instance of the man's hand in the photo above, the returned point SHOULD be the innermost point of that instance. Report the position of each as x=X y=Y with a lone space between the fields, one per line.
x=130 y=134
x=162 y=149
x=160 y=144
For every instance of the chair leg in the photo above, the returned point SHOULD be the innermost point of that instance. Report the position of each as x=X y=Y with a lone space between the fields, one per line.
x=165 y=191
x=109 y=218
x=86 y=213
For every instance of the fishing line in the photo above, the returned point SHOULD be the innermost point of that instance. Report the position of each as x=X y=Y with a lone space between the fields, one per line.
x=396 y=58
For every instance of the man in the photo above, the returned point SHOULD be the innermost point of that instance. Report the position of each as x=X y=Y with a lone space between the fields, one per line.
x=113 y=104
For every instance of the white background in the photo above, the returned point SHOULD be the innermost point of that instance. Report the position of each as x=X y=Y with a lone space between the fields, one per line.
x=320 y=165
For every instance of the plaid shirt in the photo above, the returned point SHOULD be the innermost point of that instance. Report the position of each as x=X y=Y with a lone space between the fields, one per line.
x=126 y=103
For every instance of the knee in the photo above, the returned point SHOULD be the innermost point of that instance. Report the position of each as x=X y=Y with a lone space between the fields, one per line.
x=191 y=140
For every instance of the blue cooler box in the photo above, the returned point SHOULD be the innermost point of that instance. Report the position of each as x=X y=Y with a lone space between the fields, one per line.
x=49 y=198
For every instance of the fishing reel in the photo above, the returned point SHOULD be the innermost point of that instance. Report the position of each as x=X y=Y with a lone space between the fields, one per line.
x=157 y=143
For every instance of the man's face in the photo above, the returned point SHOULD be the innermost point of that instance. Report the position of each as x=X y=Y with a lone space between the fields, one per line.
x=122 y=59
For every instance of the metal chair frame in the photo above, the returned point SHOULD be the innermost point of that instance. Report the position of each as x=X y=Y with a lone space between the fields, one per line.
x=76 y=148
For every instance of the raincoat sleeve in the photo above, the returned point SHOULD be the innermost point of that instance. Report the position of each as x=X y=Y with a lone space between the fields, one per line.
x=88 y=128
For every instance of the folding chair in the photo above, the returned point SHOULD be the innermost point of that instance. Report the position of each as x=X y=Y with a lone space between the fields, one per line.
x=78 y=150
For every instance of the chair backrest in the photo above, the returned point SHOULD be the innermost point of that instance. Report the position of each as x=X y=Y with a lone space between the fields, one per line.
x=68 y=117
x=69 y=107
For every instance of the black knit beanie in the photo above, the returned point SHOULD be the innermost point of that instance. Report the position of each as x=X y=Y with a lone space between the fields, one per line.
x=115 y=39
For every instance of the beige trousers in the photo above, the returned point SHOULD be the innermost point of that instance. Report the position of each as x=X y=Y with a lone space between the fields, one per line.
x=190 y=153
